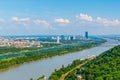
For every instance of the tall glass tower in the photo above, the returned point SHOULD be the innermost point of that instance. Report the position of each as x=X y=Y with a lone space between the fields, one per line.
x=86 y=35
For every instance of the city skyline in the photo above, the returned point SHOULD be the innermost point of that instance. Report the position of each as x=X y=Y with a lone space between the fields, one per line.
x=38 y=17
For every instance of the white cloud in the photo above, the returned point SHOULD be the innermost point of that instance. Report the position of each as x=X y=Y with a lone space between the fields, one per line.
x=82 y=20
x=20 y=19
x=107 y=22
x=62 y=21
x=41 y=22
x=44 y=24
x=85 y=17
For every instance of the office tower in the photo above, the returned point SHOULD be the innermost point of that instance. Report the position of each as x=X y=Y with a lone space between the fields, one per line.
x=58 y=39
x=62 y=37
x=74 y=37
x=86 y=35
x=71 y=37
x=68 y=38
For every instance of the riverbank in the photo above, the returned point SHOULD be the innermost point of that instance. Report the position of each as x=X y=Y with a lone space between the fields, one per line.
x=16 y=61
x=100 y=67
x=64 y=71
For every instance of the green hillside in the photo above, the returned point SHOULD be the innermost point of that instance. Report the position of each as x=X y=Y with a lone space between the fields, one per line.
x=104 y=67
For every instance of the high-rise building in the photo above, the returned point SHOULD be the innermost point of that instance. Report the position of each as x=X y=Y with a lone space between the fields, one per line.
x=74 y=37
x=68 y=37
x=62 y=37
x=58 y=39
x=71 y=37
x=86 y=35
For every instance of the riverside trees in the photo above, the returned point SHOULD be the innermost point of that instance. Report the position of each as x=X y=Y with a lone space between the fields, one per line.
x=105 y=67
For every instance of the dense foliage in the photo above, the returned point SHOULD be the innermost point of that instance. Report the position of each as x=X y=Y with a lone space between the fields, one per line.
x=58 y=73
x=105 y=67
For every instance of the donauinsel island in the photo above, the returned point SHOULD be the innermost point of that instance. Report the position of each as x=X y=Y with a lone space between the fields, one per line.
x=59 y=40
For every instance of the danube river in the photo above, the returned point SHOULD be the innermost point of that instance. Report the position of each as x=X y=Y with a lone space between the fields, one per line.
x=47 y=66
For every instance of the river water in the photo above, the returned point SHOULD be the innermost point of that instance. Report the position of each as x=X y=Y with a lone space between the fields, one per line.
x=47 y=66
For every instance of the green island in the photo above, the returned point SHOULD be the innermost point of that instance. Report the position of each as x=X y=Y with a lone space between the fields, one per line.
x=54 y=50
x=106 y=66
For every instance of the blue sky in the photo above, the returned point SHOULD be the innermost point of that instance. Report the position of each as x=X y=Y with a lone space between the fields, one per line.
x=42 y=17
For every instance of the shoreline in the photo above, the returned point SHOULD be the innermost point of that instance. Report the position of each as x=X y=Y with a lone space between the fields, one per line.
x=69 y=52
